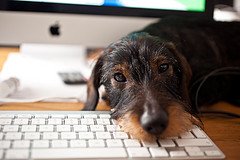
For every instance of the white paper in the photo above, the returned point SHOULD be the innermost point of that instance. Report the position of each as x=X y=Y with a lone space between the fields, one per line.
x=39 y=79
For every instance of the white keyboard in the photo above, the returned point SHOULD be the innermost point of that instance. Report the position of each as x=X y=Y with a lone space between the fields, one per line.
x=85 y=135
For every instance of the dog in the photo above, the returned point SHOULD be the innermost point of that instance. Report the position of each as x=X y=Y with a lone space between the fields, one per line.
x=155 y=79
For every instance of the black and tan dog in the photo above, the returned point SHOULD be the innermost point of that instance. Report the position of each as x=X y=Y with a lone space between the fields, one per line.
x=156 y=78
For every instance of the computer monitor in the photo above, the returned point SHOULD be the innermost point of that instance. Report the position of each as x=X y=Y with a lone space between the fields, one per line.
x=88 y=22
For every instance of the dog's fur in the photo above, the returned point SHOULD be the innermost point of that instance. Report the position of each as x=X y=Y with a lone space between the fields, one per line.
x=156 y=78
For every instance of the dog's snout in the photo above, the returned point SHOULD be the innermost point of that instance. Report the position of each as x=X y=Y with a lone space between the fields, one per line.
x=154 y=123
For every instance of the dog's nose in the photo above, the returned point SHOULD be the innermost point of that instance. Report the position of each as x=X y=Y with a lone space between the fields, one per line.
x=154 y=123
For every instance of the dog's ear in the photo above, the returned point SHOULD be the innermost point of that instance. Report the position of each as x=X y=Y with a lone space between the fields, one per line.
x=93 y=85
x=186 y=69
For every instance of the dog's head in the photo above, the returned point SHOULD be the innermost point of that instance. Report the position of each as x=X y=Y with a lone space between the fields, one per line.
x=146 y=83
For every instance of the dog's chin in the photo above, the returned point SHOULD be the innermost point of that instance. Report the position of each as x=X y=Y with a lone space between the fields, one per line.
x=179 y=121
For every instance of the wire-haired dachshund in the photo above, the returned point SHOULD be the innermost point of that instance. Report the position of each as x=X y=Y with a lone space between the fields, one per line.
x=156 y=78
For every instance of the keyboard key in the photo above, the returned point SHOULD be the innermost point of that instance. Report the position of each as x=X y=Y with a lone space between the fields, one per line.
x=178 y=154
x=189 y=149
x=21 y=121
x=96 y=143
x=63 y=128
x=103 y=135
x=149 y=144
x=5 y=144
x=120 y=135
x=54 y=121
x=10 y=128
x=187 y=135
x=213 y=153
x=107 y=116
x=38 y=121
x=50 y=135
x=5 y=121
x=59 y=144
x=113 y=128
x=132 y=143
x=17 y=154
x=68 y=135
x=45 y=128
x=198 y=133
x=138 y=152
x=86 y=135
x=166 y=143
x=114 y=143
x=21 y=144
x=194 y=151
x=80 y=128
x=29 y=128
x=40 y=144
x=24 y=116
x=78 y=143
x=193 y=142
x=158 y=152
x=87 y=121
x=103 y=121
x=13 y=135
x=71 y=121
x=68 y=153
x=32 y=135
x=97 y=128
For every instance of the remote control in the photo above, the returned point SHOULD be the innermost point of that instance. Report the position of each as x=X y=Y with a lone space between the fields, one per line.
x=72 y=78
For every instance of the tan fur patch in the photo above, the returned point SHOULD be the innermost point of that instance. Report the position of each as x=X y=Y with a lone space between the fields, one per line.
x=130 y=123
x=179 y=121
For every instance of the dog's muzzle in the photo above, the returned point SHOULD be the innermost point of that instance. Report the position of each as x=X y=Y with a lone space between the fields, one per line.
x=154 y=121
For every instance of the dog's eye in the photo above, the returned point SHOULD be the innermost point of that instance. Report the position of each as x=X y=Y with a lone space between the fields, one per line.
x=163 y=68
x=119 y=77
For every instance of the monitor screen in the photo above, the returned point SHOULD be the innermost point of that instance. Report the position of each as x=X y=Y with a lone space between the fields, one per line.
x=87 y=22
x=179 y=5
x=141 y=8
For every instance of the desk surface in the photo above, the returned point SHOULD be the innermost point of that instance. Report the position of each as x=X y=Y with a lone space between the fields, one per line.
x=224 y=131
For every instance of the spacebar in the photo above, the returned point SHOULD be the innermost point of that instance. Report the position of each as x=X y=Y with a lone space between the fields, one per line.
x=69 y=153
